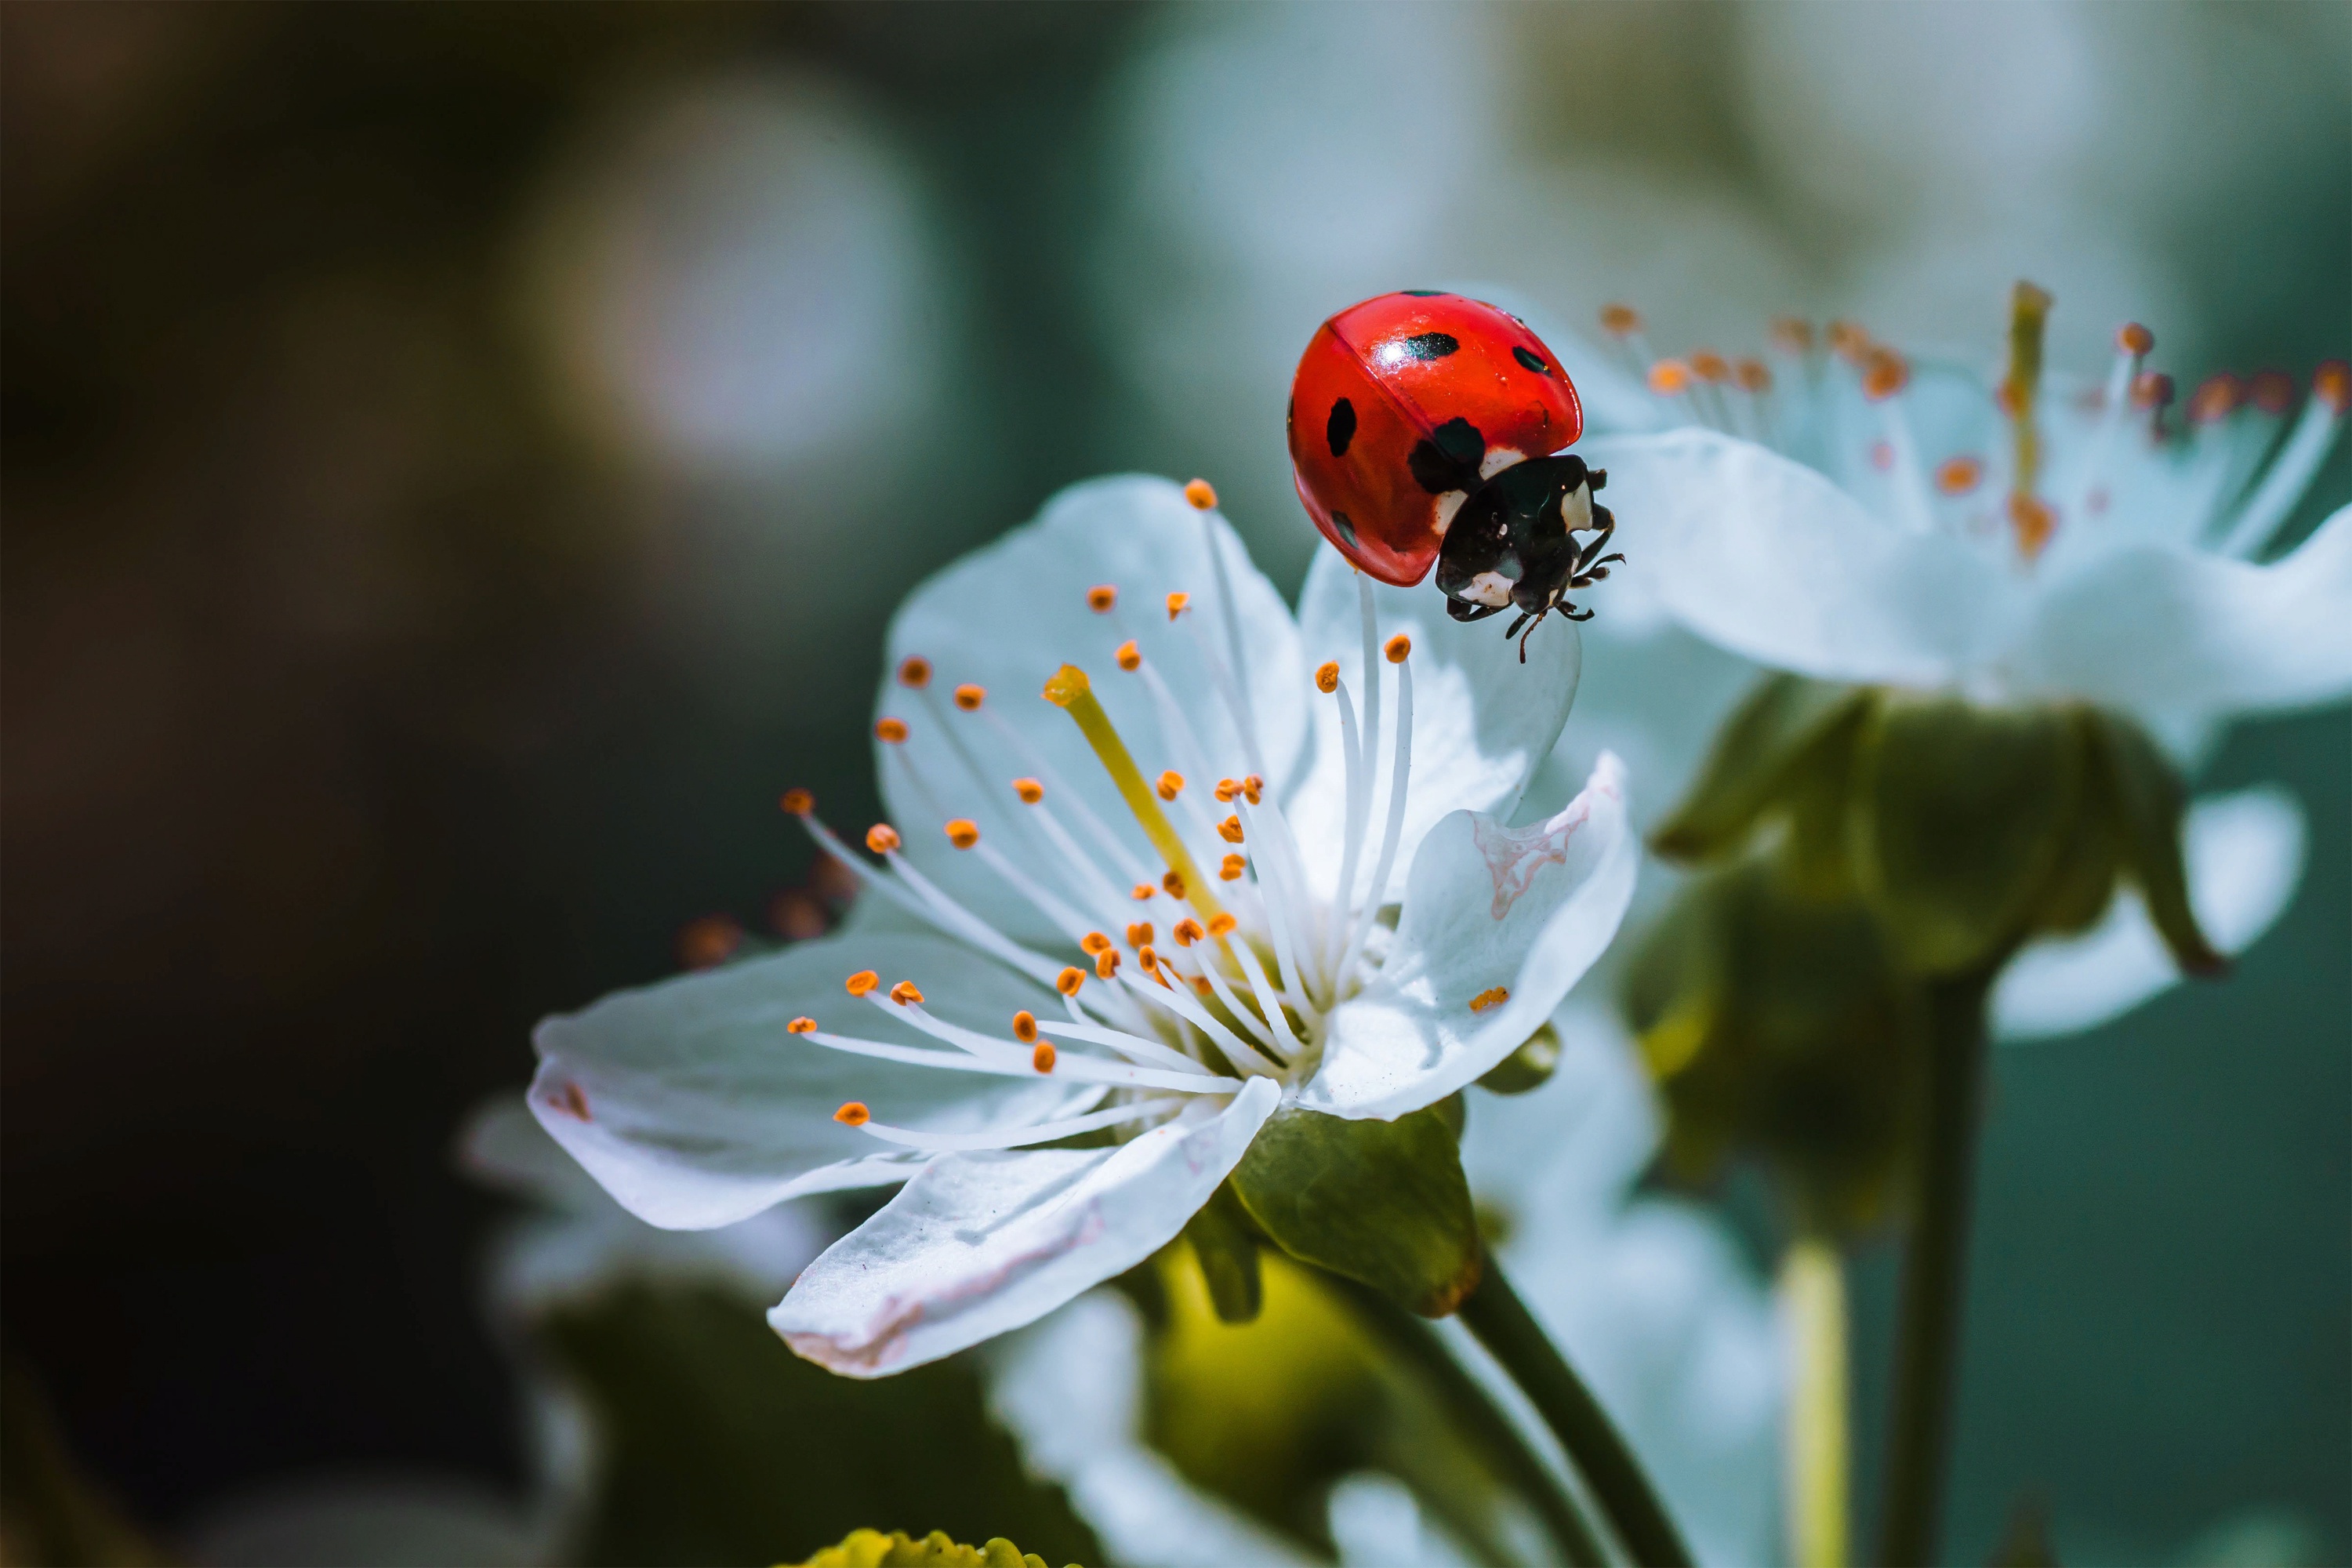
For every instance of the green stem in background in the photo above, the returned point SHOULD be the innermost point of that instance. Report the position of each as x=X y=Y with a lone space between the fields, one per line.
x=1417 y=1344
x=1813 y=1306
x=1926 y=1344
x=1499 y=1320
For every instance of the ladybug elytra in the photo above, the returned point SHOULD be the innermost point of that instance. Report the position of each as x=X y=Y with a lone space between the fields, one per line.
x=1423 y=429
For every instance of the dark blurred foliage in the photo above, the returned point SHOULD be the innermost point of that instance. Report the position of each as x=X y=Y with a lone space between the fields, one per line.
x=336 y=752
x=710 y=1411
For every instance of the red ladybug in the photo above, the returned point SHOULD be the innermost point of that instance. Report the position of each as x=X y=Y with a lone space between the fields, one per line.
x=1423 y=429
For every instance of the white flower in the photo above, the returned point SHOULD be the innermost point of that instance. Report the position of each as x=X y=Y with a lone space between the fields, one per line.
x=1795 y=521
x=1158 y=903
x=1849 y=516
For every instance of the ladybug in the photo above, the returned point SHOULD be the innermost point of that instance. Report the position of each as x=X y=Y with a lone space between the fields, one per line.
x=1423 y=428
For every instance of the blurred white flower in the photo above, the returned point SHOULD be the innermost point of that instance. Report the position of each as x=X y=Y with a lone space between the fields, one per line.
x=704 y=1100
x=738 y=274
x=1647 y=1295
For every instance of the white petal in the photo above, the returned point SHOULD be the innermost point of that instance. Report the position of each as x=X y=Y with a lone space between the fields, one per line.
x=1007 y=617
x=700 y=1110
x=2178 y=632
x=2244 y=858
x=1655 y=698
x=1527 y=909
x=503 y=1146
x=979 y=1244
x=1482 y=722
x=1769 y=559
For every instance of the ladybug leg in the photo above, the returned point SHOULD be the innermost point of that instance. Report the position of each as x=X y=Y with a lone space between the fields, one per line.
x=1589 y=556
x=1464 y=610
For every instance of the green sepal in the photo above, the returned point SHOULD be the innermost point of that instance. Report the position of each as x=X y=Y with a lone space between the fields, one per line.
x=1382 y=1203
x=1225 y=1242
x=2145 y=800
x=1529 y=1068
x=1786 y=725
x=1961 y=816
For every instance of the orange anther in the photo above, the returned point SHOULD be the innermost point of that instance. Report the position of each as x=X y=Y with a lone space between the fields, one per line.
x=969 y=697
x=2331 y=382
x=890 y=729
x=915 y=672
x=1753 y=375
x=1231 y=868
x=1129 y=656
x=881 y=839
x=963 y=832
x=2133 y=339
x=1619 y=320
x=1849 y=342
x=1138 y=933
x=1095 y=941
x=2272 y=391
x=1173 y=884
x=1025 y=1026
x=862 y=983
x=1959 y=476
x=2216 y=398
x=1202 y=494
x=1493 y=996
x=854 y=1114
x=1397 y=649
x=1327 y=677
x=1792 y=335
x=2152 y=389
x=1710 y=366
x=1230 y=830
x=1670 y=378
x=1102 y=597
x=1188 y=931
x=1201 y=983
x=1885 y=373
x=1171 y=784
x=1143 y=891
x=1222 y=925
x=798 y=802
x=1178 y=604
x=1069 y=980
x=2033 y=521
x=801 y=1025
x=1252 y=787
x=1106 y=963
x=1042 y=1058
x=904 y=992
x=1226 y=789
x=1147 y=960
x=1030 y=791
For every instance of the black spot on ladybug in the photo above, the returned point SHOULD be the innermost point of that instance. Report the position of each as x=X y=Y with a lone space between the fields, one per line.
x=1532 y=360
x=1426 y=294
x=1448 y=460
x=1430 y=345
x=1347 y=530
x=1341 y=429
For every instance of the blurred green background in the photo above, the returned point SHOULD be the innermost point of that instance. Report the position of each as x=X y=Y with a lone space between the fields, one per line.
x=459 y=459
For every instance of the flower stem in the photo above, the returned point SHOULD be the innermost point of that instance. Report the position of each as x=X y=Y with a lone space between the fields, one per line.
x=1501 y=1322
x=1812 y=1302
x=1415 y=1344
x=1927 y=1335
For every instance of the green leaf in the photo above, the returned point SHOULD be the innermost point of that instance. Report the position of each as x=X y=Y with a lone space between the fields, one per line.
x=1225 y=1242
x=1529 y=1068
x=1786 y=725
x=1962 y=821
x=720 y=1446
x=872 y=1549
x=2144 y=800
x=1382 y=1203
